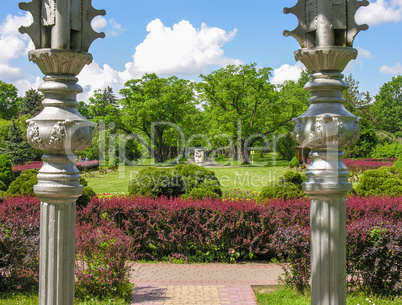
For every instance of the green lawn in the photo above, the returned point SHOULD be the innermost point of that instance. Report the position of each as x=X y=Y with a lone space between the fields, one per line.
x=251 y=178
x=287 y=296
x=33 y=299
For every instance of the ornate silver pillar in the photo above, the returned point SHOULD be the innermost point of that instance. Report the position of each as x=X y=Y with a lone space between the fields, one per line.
x=62 y=34
x=325 y=33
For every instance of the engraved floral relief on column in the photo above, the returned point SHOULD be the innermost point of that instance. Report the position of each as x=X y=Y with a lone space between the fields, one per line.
x=33 y=135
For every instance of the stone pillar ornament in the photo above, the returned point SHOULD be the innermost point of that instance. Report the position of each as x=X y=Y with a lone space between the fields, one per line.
x=62 y=33
x=325 y=32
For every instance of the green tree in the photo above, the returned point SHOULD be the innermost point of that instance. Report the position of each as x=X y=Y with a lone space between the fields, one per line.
x=6 y=172
x=84 y=110
x=15 y=147
x=31 y=103
x=8 y=101
x=360 y=105
x=241 y=102
x=151 y=105
x=388 y=105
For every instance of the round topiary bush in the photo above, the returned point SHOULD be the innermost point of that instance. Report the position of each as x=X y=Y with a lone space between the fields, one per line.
x=285 y=191
x=295 y=178
x=383 y=181
x=23 y=185
x=6 y=171
x=156 y=182
x=191 y=180
x=86 y=197
x=294 y=162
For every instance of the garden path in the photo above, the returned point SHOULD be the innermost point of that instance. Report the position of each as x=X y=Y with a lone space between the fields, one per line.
x=201 y=284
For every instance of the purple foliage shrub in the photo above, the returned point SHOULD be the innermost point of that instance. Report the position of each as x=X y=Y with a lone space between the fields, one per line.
x=200 y=230
x=82 y=166
x=87 y=165
x=19 y=243
x=101 y=263
x=112 y=230
x=361 y=165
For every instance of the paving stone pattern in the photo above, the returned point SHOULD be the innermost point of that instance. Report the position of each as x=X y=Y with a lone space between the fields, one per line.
x=200 y=284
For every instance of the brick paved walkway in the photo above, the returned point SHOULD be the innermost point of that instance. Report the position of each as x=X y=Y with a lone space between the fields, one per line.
x=200 y=284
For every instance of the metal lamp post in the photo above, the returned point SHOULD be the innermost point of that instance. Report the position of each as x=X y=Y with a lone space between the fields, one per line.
x=325 y=33
x=62 y=34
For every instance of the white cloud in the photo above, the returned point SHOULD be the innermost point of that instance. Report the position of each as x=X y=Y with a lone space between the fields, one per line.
x=165 y=51
x=287 y=72
x=182 y=49
x=111 y=27
x=12 y=46
x=396 y=69
x=363 y=53
x=379 y=12
x=99 y=23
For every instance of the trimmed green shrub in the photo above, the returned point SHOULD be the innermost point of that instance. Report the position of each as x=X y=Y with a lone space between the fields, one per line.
x=286 y=146
x=295 y=178
x=286 y=191
x=200 y=178
x=398 y=164
x=87 y=195
x=23 y=185
x=156 y=182
x=6 y=172
x=3 y=186
x=83 y=181
x=289 y=187
x=382 y=181
x=294 y=162
x=190 y=180
x=387 y=150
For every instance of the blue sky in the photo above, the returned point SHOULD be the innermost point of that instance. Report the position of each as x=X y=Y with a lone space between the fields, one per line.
x=186 y=38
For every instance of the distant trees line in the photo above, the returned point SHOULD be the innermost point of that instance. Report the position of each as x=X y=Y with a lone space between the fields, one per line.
x=229 y=110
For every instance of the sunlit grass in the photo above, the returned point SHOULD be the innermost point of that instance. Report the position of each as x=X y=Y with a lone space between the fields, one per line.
x=288 y=296
x=33 y=299
x=251 y=178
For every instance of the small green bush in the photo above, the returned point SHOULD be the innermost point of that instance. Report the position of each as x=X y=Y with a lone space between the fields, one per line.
x=294 y=162
x=289 y=187
x=175 y=182
x=295 y=178
x=382 y=181
x=286 y=146
x=285 y=191
x=23 y=185
x=86 y=197
x=6 y=172
x=387 y=150
x=156 y=182
x=3 y=186
x=398 y=164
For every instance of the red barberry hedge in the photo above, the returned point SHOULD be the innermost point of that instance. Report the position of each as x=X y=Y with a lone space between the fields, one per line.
x=215 y=230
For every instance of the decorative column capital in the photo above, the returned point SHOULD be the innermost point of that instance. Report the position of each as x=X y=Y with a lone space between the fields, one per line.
x=60 y=62
x=333 y=58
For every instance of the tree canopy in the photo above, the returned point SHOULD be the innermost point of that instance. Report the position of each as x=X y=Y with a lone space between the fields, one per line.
x=8 y=101
x=388 y=105
x=150 y=105
x=242 y=104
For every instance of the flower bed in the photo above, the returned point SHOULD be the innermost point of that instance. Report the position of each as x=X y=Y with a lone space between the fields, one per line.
x=361 y=165
x=84 y=165
x=215 y=230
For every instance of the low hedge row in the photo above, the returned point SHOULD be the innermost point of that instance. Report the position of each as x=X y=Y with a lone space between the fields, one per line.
x=212 y=230
x=82 y=166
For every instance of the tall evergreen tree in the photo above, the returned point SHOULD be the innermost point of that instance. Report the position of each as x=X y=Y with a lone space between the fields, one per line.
x=31 y=103
x=15 y=147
